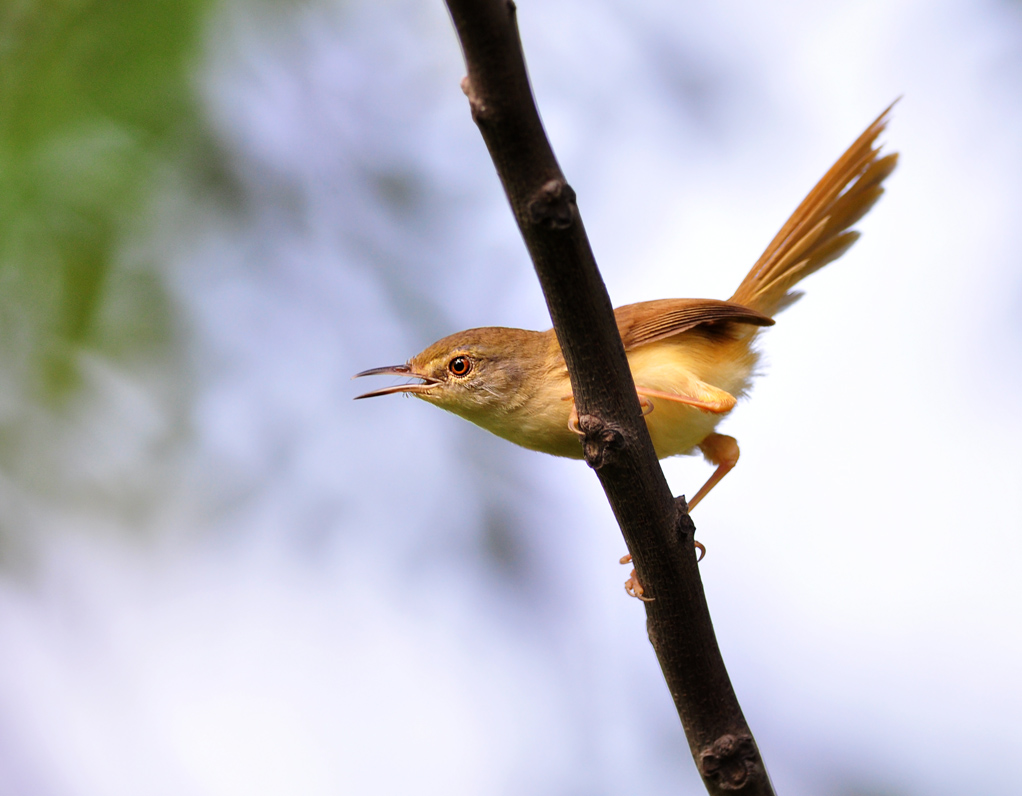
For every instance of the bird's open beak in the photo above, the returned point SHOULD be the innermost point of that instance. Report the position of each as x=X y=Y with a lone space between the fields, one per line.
x=396 y=370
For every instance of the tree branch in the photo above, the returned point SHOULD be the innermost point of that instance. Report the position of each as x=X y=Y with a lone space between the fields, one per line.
x=656 y=528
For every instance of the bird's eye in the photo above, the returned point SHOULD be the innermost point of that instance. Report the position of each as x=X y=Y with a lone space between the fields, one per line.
x=460 y=366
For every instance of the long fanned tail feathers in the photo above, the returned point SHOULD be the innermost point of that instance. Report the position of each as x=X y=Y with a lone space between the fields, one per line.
x=817 y=232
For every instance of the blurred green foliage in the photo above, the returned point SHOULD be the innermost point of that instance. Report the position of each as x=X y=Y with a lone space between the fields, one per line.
x=99 y=122
x=95 y=97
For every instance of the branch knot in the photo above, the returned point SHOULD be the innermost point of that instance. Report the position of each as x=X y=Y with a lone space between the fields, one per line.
x=599 y=440
x=553 y=205
x=730 y=761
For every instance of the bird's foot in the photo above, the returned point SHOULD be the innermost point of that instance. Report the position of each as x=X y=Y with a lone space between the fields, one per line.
x=632 y=585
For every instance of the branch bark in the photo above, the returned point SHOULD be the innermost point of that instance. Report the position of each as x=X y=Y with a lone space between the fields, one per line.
x=657 y=528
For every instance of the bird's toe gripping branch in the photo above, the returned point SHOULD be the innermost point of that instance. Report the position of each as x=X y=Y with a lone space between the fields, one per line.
x=599 y=438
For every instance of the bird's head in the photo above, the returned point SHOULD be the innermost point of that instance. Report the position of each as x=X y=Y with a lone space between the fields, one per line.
x=477 y=374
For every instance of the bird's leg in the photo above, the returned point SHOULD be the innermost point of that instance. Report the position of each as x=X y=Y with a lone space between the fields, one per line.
x=721 y=450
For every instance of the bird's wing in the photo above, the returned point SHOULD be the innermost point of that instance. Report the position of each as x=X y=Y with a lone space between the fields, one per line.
x=649 y=321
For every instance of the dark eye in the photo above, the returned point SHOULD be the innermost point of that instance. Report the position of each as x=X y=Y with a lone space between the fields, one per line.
x=460 y=366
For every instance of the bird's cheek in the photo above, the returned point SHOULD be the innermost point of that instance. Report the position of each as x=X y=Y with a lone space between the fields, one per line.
x=433 y=396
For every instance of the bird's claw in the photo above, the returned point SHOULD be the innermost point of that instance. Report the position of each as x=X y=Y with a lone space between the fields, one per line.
x=632 y=585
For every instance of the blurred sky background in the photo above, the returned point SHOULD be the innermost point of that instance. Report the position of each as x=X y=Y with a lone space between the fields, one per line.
x=219 y=575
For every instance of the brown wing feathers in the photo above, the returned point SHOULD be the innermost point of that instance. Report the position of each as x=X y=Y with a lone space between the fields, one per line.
x=816 y=233
x=649 y=321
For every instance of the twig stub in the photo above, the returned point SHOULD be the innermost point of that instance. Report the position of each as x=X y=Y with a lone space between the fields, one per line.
x=684 y=528
x=730 y=761
x=553 y=205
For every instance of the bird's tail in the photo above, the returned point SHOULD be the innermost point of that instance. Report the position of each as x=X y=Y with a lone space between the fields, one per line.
x=817 y=232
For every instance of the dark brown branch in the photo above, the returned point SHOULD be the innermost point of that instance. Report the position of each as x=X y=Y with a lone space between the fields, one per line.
x=657 y=529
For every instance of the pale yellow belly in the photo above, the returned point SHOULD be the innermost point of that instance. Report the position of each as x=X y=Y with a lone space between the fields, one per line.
x=674 y=428
x=677 y=429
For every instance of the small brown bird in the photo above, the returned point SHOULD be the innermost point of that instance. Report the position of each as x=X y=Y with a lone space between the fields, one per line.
x=691 y=359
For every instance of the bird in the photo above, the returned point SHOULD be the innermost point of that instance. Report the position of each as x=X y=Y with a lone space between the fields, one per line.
x=691 y=359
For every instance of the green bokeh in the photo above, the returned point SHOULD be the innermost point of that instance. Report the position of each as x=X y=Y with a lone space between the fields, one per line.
x=99 y=121
x=96 y=98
